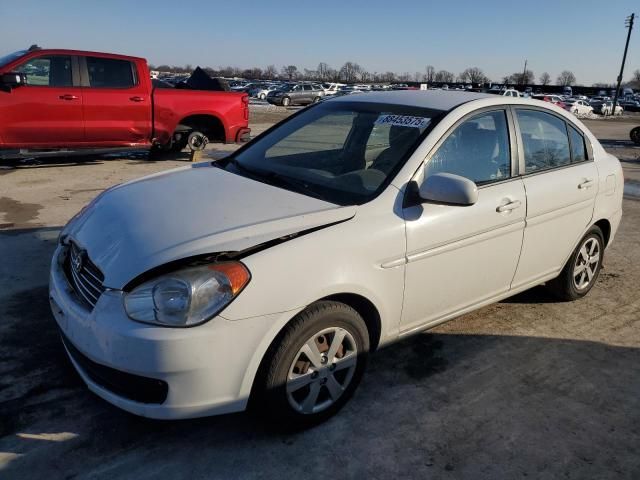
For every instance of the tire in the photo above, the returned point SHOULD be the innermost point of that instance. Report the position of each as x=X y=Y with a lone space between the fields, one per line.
x=569 y=285
x=286 y=101
x=324 y=386
x=316 y=99
x=262 y=96
x=635 y=135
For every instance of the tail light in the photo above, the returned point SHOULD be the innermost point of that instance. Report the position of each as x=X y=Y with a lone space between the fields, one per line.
x=245 y=102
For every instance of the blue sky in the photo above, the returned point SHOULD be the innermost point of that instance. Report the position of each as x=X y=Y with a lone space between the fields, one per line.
x=584 y=36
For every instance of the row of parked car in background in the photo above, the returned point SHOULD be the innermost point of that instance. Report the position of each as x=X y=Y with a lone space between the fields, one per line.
x=286 y=93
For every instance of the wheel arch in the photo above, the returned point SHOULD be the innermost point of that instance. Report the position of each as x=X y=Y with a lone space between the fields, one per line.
x=211 y=125
x=605 y=226
x=359 y=303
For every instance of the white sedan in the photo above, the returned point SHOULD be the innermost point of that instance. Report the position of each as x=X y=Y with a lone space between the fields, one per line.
x=579 y=108
x=265 y=279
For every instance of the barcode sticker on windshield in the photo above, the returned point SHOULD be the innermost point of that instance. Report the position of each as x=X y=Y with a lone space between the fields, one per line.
x=403 y=121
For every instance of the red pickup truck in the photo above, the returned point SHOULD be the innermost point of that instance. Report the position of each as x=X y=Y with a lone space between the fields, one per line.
x=68 y=99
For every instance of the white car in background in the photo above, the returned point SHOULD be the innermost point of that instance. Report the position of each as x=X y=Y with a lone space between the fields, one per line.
x=332 y=88
x=511 y=93
x=261 y=93
x=265 y=279
x=579 y=108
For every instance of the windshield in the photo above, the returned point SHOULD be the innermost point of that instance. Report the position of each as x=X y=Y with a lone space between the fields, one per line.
x=342 y=152
x=11 y=57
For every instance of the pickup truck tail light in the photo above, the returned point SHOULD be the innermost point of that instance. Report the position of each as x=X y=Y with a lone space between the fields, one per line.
x=245 y=102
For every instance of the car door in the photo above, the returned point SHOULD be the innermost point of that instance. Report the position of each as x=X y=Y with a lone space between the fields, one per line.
x=461 y=256
x=561 y=181
x=117 y=104
x=308 y=93
x=47 y=110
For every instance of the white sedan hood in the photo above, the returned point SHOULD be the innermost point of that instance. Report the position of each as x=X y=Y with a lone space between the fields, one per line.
x=147 y=223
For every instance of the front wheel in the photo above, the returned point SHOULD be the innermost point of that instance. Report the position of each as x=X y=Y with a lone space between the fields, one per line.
x=314 y=368
x=635 y=135
x=581 y=271
x=286 y=102
x=262 y=96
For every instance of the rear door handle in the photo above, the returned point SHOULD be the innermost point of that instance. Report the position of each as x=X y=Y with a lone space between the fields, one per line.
x=136 y=99
x=509 y=206
x=68 y=96
x=586 y=183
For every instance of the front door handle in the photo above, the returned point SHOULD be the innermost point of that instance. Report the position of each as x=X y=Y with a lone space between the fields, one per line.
x=136 y=99
x=586 y=183
x=509 y=206
x=68 y=96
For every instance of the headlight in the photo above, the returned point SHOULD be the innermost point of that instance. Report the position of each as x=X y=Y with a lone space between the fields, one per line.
x=187 y=297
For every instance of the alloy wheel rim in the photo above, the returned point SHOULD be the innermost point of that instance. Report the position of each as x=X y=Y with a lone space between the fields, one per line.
x=586 y=264
x=322 y=370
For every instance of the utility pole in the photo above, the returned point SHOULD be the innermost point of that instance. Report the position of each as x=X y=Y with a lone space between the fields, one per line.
x=628 y=24
x=524 y=73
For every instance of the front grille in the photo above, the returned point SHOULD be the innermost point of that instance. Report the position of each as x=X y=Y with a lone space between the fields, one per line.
x=83 y=275
x=134 y=387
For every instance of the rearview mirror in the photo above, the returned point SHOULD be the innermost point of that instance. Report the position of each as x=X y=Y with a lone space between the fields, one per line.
x=12 y=80
x=449 y=189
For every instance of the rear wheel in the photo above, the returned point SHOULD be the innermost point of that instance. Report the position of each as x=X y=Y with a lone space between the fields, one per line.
x=262 y=96
x=316 y=99
x=286 y=101
x=314 y=368
x=635 y=135
x=581 y=271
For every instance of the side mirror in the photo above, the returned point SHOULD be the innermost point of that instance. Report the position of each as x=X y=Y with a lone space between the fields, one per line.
x=12 y=80
x=449 y=189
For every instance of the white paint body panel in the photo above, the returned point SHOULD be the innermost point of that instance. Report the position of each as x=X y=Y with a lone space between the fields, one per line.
x=418 y=266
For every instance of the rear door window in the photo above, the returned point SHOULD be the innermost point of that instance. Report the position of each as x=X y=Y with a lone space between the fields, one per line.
x=110 y=73
x=50 y=71
x=545 y=141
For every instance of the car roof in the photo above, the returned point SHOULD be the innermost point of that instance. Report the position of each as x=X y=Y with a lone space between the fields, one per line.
x=434 y=99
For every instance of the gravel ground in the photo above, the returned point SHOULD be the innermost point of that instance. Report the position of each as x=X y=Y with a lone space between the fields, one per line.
x=528 y=387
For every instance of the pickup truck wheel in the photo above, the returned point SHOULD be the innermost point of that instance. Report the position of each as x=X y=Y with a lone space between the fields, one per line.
x=314 y=368
x=286 y=101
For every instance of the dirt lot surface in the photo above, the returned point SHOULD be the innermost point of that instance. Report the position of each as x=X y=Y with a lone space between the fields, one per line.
x=529 y=387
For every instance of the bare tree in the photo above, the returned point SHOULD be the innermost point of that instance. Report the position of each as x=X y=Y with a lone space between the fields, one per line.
x=309 y=74
x=635 y=79
x=350 y=71
x=270 y=72
x=290 y=71
x=444 y=76
x=323 y=71
x=566 y=78
x=473 y=75
x=520 y=78
x=404 y=77
x=545 y=79
x=387 y=77
x=364 y=76
x=430 y=73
